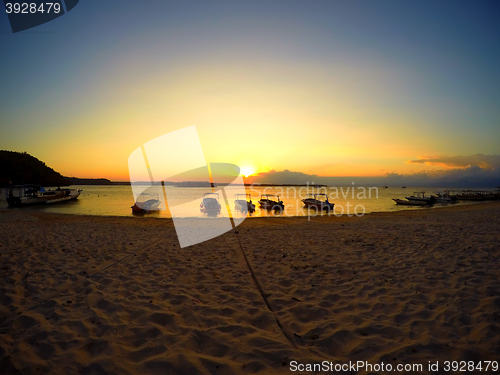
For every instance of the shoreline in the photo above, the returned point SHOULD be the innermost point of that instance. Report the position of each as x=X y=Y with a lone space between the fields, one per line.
x=462 y=206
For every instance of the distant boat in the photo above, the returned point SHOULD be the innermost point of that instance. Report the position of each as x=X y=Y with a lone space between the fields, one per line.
x=243 y=203
x=146 y=203
x=31 y=194
x=271 y=202
x=210 y=204
x=318 y=201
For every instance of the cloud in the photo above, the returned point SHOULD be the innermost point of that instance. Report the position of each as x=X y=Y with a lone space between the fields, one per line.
x=458 y=161
x=469 y=177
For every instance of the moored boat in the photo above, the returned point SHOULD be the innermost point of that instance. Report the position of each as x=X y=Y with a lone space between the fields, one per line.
x=210 y=204
x=420 y=197
x=318 y=201
x=32 y=194
x=271 y=202
x=243 y=203
x=444 y=197
x=146 y=203
x=410 y=203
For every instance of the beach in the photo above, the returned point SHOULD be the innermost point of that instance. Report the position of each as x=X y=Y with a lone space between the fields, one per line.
x=94 y=295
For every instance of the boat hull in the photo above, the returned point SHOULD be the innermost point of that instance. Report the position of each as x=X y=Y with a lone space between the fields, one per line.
x=410 y=203
x=271 y=205
x=319 y=205
x=42 y=199
x=146 y=207
x=244 y=206
x=445 y=200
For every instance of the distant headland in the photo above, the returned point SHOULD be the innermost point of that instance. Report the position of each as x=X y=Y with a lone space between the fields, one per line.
x=21 y=168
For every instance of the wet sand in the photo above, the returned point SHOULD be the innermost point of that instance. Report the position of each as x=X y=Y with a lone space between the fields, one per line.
x=95 y=295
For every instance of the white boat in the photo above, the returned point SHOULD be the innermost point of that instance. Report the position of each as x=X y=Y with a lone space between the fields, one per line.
x=210 y=204
x=318 y=201
x=243 y=203
x=31 y=194
x=444 y=197
x=419 y=196
x=410 y=203
x=146 y=203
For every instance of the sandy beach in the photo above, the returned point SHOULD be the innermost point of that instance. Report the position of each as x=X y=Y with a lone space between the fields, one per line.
x=115 y=295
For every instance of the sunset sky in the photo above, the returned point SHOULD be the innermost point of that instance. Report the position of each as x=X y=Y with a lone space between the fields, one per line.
x=331 y=88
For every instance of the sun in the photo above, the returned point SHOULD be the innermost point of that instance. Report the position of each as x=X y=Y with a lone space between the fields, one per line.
x=247 y=171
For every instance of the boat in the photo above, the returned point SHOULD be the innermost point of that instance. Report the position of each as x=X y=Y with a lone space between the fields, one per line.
x=210 y=204
x=318 y=201
x=146 y=203
x=444 y=197
x=470 y=197
x=410 y=203
x=243 y=203
x=420 y=197
x=271 y=202
x=477 y=195
x=32 y=194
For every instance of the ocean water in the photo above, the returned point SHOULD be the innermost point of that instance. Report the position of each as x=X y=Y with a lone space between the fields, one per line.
x=349 y=200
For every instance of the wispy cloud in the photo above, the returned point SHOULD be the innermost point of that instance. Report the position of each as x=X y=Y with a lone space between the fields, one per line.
x=459 y=161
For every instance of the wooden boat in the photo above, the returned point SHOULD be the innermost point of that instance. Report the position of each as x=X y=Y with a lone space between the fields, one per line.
x=271 y=202
x=31 y=194
x=318 y=201
x=470 y=196
x=444 y=197
x=477 y=195
x=420 y=197
x=210 y=204
x=146 y=203
x=243 y=203
x=410 y=203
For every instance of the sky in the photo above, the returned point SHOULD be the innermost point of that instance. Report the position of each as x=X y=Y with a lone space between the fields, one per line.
x=320 y=88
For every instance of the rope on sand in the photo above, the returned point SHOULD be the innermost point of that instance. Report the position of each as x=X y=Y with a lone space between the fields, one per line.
x=264 y=295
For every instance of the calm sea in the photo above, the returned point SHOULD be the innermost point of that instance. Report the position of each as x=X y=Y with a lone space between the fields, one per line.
x=118 y=200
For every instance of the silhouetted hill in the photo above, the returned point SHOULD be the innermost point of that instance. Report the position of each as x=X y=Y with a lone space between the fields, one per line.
x=22 y=168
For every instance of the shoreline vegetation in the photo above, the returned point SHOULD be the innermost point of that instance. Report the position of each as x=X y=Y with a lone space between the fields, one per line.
x=118 y=295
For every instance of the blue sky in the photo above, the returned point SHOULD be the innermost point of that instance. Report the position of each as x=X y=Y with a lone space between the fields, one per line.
x=389 y=81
